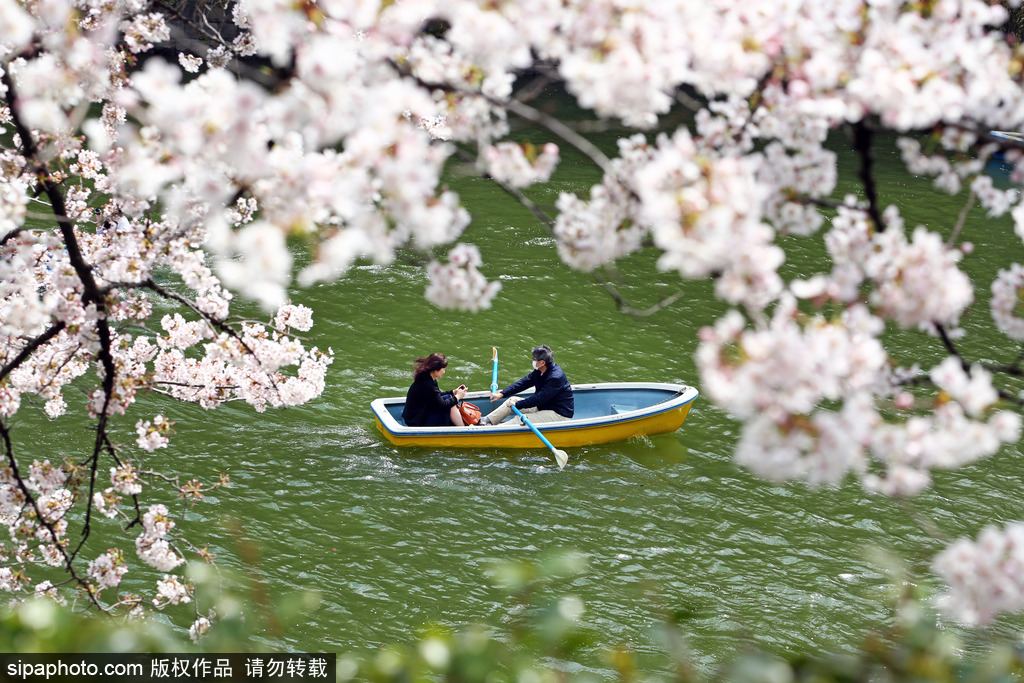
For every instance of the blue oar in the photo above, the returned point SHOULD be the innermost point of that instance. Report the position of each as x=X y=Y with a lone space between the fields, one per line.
x=494 y=370
x=561 y=457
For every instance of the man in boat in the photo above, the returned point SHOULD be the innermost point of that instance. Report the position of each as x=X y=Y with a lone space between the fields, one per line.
x=552 y=400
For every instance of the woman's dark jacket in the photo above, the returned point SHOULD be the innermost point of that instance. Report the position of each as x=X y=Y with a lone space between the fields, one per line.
x=424 y=398
x=553 y=391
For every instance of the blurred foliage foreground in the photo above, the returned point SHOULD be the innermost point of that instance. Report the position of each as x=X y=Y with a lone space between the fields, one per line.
x=539 y=640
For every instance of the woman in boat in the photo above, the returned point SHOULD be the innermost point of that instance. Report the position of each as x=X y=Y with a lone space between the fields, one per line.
x=425 y=404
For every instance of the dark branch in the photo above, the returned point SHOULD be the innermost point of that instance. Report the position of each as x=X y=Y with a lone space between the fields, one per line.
x=947 y=341
x=215 y=323
x=31 y=502
x=31 y=348
x=625 y=307
x=91 y=293
x=863 y=137
x=11 y=235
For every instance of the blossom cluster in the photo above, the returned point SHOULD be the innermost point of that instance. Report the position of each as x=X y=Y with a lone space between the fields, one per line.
x=459 y=283
x=153 y=545
x=915 y=283
x=107 y=569
x=984 y=575
x=591 y=233
x=171 y=591
x=520 y=165
x=1007 y=295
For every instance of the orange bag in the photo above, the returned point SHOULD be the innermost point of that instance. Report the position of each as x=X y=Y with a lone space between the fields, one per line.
x=470 y=413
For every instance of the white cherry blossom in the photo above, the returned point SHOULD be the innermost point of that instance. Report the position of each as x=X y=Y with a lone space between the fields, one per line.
x=107 y=569
x=459 y=283
x=519 y=166
x=983 y=575
x=171 y=591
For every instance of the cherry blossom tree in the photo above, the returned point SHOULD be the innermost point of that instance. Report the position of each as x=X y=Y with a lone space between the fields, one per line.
x=158 y=156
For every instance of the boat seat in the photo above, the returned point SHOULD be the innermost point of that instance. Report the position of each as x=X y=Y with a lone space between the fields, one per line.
x=619 y=409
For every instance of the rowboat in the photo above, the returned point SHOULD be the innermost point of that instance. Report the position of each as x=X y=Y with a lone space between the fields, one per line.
x=605 y=412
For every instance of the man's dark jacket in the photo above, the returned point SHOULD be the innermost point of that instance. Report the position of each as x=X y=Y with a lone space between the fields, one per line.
x=553 y=391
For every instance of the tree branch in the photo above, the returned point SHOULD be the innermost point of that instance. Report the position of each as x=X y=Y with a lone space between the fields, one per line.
x=947 y=341
x=31 y=502
x=525 y=111
x=564 y=132
x=623 y=305
x=31 y=348
x=863 y=137
x=91 y=293
x=961 y=219
x=215 y=323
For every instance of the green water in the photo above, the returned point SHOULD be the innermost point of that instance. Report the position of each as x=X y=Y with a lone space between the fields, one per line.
x=396 y=538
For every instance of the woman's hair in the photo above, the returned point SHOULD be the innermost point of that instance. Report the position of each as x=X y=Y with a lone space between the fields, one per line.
x=432 y=362
x=543 y=352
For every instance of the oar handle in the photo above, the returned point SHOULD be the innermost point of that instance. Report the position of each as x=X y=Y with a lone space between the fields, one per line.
x=494 y=370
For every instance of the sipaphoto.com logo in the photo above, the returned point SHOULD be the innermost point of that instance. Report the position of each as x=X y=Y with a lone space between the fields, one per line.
x=167 y=668
x=67 y=667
